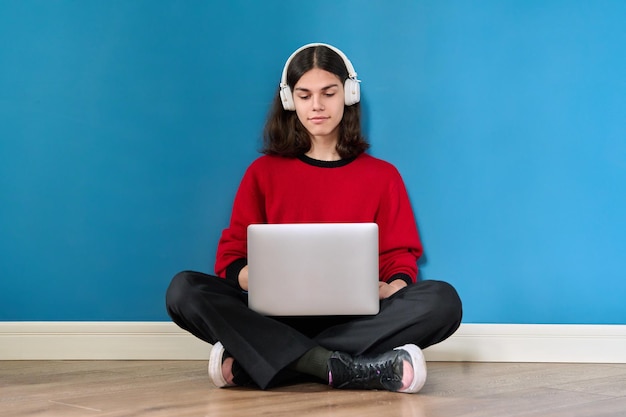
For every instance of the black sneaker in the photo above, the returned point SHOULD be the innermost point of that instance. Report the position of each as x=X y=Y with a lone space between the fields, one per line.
x=378 y=372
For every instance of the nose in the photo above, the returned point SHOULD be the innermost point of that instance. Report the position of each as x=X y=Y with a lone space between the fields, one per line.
x=317 y=102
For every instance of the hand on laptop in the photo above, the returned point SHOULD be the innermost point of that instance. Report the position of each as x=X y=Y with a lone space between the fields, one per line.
x=243 y=278
x=387 y=290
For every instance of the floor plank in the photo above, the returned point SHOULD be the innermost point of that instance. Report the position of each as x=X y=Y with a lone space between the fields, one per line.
x=181 y=388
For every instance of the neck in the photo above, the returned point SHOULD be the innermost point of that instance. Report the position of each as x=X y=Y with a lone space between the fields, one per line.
x=323 y=150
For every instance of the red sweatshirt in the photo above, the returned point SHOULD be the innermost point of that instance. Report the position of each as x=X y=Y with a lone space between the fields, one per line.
x=303 y=190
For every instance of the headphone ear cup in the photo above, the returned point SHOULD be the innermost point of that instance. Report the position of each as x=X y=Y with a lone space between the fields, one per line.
x=286 y=97
x=352 y=92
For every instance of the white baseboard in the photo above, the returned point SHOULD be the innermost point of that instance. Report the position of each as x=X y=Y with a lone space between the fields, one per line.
x=533 y=343
x=165 y=341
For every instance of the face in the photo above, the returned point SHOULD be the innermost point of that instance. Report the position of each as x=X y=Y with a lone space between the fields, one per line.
x=319 y=100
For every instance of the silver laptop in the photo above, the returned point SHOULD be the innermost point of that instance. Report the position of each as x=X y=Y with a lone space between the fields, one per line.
x=313 y=269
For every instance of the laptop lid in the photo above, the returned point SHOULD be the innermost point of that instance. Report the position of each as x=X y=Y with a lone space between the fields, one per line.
x=313 y=269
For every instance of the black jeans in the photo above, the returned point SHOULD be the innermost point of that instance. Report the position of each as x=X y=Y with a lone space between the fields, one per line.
x=214 y=309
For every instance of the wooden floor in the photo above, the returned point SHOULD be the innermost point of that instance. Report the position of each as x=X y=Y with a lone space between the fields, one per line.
x=181 y=388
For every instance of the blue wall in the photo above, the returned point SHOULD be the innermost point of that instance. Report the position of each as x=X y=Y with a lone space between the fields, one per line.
x=125 y=127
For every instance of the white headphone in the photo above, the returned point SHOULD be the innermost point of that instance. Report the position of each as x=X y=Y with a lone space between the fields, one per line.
x=351 y=87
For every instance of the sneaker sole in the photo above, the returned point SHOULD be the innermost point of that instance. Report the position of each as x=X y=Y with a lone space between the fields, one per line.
x=419 y=368
x=215 y=366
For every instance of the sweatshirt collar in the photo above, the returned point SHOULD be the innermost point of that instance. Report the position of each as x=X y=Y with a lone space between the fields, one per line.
x=325 y=164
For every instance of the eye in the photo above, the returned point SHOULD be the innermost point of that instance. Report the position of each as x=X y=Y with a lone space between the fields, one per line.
x=306 y=97
x=329 y=94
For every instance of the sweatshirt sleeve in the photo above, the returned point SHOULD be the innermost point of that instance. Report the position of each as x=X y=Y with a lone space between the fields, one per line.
x=248 y=208
x=400 y=245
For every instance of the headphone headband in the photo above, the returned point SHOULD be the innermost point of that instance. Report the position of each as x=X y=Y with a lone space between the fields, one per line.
x=351 y=86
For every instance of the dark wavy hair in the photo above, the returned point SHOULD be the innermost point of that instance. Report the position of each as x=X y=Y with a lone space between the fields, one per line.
x=284 y=135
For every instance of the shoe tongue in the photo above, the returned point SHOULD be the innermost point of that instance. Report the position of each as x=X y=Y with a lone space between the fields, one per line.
x=398 y=369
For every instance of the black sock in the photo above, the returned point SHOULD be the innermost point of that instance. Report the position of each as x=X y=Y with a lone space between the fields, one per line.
x=314 y=362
